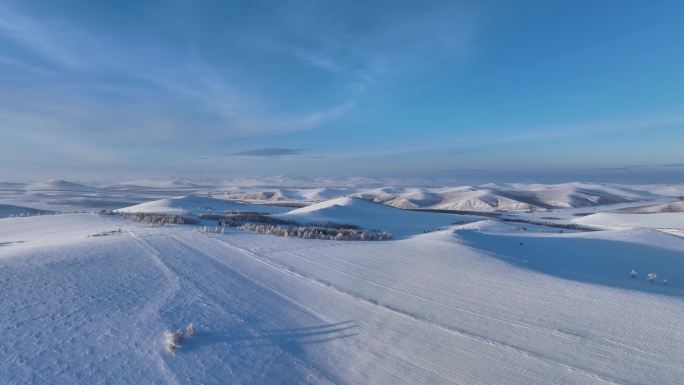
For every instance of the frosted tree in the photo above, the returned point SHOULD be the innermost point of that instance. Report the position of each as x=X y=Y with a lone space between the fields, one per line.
x=652 y=277
x=633 y=274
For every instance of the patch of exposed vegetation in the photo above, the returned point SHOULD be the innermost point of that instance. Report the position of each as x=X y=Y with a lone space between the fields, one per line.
x=105 y=233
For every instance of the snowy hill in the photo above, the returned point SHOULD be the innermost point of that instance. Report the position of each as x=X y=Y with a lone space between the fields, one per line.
x=195 y=205
x=16 y=211
x=489 y=197
x=157 y=183
x=57 y=185
x=372 y=216
x=568 y=195
x=672 y=207
x=597 y=257
x=289 y=195
x=655 y=221
x=493 y=197
x=465 y=198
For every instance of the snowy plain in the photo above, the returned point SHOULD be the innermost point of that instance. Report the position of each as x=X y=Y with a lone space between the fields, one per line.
x=509 y=297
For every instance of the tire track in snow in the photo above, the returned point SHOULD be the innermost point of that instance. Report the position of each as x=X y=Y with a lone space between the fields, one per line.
x=198 y=252
x=154 y=310
x=415 y=317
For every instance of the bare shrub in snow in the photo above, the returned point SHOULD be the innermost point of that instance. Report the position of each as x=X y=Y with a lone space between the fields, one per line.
x=105 y=233
x=173 y=340
x=633 y=274
x=652 y=277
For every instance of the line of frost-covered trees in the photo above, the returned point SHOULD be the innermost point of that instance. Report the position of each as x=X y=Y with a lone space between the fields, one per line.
x=261 y=223
x=312 y=232
x=306 y=232
x=264 y=224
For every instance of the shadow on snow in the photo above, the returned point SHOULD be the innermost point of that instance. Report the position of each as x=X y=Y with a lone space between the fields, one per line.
x=291 y=340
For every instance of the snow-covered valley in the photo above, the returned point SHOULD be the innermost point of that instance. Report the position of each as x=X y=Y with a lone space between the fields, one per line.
x=509 y=297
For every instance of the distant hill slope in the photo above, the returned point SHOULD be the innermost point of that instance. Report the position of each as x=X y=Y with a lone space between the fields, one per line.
x=57 y=185
x=195 y=205
x=504 y=197
x=372 y=216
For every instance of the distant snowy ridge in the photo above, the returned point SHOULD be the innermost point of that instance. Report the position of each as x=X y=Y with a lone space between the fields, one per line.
x=484 y=198
x=196 y=205
x=491 y=197
x=372 y=216
x=57 y=185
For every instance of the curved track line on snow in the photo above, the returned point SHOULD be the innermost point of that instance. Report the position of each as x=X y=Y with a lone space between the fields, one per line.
x=155 y=309
x=268 y=288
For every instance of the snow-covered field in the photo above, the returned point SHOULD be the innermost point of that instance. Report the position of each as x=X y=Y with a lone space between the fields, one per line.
x=525 y=298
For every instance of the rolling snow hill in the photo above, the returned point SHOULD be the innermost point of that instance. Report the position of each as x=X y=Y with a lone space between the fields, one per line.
x=19 y=211
x=195 y=205
x=372 y=216
x=57 y=185
x=654 y=221
x=672 y=207
x=503 y=197
x=604 y=257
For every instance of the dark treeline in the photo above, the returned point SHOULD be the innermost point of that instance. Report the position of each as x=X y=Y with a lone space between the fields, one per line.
x=264 y=224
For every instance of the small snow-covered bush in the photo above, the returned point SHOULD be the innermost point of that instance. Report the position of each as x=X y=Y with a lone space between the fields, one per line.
x=652 y=277
x=173 y=340
x=633 y=274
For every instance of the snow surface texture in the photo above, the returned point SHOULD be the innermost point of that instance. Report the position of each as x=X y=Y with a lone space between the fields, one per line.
x=657 y=220
x=486 y=302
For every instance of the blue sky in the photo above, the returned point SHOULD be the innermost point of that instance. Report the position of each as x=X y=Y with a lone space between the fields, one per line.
x=486 y=90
